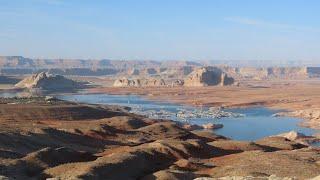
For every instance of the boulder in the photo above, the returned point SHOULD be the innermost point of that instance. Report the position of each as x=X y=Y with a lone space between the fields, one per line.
x=212 y=126
x=192 y=127
x=299 y=137
x=292 y=135
x=208 y=76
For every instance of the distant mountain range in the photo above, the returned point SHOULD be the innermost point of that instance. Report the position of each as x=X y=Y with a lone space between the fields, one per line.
x=264 y=63
x=18 y=65
x=22 y=62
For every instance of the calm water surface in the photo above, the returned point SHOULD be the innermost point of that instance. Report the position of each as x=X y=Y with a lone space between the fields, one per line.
x=257 y=123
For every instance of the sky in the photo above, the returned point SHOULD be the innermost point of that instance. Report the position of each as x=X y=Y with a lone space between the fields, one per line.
x=161 y=29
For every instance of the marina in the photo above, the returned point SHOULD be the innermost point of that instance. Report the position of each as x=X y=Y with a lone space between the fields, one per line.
x=240 y=124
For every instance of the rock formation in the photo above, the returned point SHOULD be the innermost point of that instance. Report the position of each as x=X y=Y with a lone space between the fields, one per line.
x=150 y=82
x=252 y=72
x=177 y=82
x=292 y=135
x=208 y=76
x=125 y=82
x=311 y=114
x=308 y=113
x=46 y=81
x=212 y=126
x=287 y=72
x=259 y=73
x=153 y=82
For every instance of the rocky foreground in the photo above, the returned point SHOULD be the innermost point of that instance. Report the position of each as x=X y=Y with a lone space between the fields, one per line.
x=47 y=138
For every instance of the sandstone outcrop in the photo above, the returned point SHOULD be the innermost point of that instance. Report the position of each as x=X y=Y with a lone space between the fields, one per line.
x=154 y=82
x=311 y=115
x=259 y=73
x=252 y=72
x=287 y=72
x=46 y=81
x=292 y=135
x=191 y=127
x=125 y=82
x=208 y=76
x=150 y=82
x=212 y=126
x=177 y=82
x=299 y=137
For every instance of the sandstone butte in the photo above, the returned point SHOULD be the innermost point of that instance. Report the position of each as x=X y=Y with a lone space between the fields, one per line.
x=46 y=81
x=206 y=76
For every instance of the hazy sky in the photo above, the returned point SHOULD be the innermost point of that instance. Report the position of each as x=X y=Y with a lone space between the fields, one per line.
x=161 y=29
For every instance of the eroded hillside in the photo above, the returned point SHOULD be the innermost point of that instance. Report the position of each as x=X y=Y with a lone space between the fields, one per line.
x=106 y=140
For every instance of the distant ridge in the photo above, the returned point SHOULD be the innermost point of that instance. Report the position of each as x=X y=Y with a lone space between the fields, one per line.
x=19 y=65
x=22 y=62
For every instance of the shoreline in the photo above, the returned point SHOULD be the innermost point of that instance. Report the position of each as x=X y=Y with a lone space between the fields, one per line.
x=300 y=122
x=180 y=98
x=284 y=106
x=186 y=125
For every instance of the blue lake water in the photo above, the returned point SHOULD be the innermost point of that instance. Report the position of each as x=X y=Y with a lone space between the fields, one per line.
x=257 y=123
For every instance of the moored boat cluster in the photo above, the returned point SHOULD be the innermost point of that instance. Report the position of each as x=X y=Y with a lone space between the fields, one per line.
x=184 y=114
